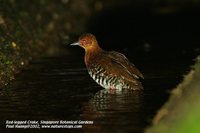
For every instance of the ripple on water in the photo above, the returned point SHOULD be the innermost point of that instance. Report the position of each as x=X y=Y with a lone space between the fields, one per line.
x=58 y=88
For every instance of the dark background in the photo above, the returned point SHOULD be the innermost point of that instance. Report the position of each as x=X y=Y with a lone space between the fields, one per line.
x=164 y=31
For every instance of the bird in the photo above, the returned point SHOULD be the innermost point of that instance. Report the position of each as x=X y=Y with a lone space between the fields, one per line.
x=110 y=69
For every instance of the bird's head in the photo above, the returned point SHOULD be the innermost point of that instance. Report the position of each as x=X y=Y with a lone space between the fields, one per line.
x=87 y=41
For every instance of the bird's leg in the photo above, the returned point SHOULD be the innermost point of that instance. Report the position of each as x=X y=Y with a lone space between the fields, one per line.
x=112 y=89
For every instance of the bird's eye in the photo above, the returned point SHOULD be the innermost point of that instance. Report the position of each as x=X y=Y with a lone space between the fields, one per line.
x=84 y=41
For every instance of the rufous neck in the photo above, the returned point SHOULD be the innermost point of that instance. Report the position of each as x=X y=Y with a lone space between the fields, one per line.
x=90 y=54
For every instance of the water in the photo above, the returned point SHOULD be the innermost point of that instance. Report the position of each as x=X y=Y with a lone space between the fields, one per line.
x=59 y=88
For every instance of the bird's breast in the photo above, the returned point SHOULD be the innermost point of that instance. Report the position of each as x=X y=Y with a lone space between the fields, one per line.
x=105 y=79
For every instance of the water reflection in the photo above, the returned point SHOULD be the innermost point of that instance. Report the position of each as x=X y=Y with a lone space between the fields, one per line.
x=113 y=111
x=59 y=88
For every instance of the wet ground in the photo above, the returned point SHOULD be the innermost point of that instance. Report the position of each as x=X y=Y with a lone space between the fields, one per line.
x=59 y=87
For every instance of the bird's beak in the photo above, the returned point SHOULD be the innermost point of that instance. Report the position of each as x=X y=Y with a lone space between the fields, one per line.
x=75 y=43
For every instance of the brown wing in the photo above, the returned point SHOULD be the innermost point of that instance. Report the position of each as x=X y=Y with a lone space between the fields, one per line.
x=117 y=67
x=123 y=61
